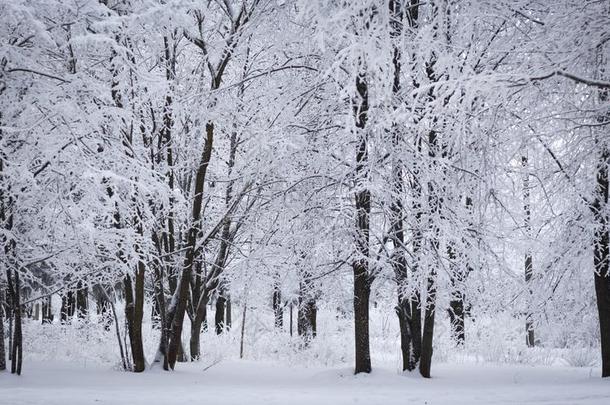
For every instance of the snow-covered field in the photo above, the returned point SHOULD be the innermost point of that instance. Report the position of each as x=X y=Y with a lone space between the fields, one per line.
x=250 y=382
x=78 y=363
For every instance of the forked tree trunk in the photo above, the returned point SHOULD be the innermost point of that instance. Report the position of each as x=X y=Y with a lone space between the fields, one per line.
x=407 y=309
x=174 y=341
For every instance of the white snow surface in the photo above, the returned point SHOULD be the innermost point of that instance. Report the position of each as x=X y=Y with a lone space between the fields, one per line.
x=256 y=382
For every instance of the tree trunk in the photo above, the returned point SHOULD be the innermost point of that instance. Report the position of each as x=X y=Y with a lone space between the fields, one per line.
x=456 y=317
x=291 y=319
x=196 y=326
x=2 y=344
x=182 y=291
x=362 y=293
x=306 y=319
x=47 y=310
x=407 y=309
x=529 y=325
x=134 y=313
x=362 y=279
x=428 y=330
x=243 y=330
x=435 y=206
x=228 y=317
x=82 y=306
x=601 y=256
x=219 y=316
x=456 y=303
x=278 y=309
x=17 y=343
x=67 y=306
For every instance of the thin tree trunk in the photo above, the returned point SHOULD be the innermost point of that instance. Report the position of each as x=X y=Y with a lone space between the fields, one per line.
x=529 y=325
x=116 y=328
x=291 y=319
x=2 y=343
x=219 y=316
x=435 y=202
x=228 y=316
x=278 y=309
x=243 y=330
x=17 y=348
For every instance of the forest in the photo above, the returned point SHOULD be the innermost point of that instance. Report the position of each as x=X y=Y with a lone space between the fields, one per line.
x=372 y=184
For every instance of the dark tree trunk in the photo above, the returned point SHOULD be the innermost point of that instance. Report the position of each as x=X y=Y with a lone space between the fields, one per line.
x=407 y=308
x=362 y=291
x=435 y=203
x=219 y=316
x=459 y=274
x=278 y=308
x=134 y=313
x=456 y=317
x=17 y=341
x=456 y=303
x=428 y=330
x=307 y=313
x=243 y=331
x=82 y=306
x=47 y=310
x=67 y=306
x=228 y=318
x=360 y=266
x=204 y=287
x=199 y=321
x=182 y=291
x=2 y=343
x=601 y=257
x=290 y=319
x=529 y=324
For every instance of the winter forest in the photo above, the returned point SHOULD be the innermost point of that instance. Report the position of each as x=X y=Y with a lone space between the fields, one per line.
x=304 y=201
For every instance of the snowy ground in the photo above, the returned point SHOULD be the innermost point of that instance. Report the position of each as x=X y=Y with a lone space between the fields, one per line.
x=250 y=382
